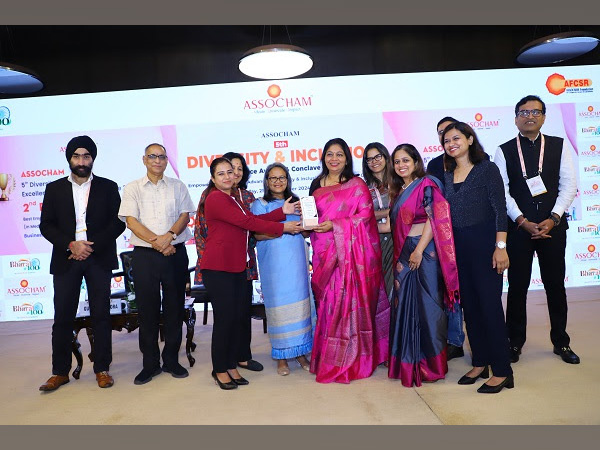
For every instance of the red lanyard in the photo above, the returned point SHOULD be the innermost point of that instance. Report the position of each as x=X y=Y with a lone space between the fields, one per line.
x=540 y=162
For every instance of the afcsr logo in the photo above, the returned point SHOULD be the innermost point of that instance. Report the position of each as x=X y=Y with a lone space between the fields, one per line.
x=589 y=113
x=481 y=123
x=275 y=101
x=558 y=84
x=592 y=254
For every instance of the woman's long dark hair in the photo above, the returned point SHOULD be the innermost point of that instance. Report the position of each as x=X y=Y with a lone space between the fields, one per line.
x=396 y=182
x=211 y=185
x=268 y=195
x=348 y=172
x=368 y=175
x=243 y=184
x=476 y=153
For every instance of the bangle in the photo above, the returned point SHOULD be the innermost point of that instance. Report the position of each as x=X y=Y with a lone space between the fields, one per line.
x=522 y=222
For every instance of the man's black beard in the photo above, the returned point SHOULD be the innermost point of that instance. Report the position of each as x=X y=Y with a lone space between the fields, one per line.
x=82 y=171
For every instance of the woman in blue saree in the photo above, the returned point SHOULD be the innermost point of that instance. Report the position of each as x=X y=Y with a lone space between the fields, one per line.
x=426 y=278
x=283 y=270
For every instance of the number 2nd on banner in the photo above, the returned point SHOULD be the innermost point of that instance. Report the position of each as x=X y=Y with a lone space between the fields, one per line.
x=27 y=206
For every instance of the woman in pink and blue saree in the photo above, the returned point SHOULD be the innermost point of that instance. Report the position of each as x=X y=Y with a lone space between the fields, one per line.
x=426 y=278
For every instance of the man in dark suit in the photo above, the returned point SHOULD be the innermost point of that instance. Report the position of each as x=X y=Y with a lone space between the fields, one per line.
x=79 y=217
x=540 y=184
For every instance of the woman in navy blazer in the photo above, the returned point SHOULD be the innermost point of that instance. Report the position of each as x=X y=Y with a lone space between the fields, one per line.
x=224 y=261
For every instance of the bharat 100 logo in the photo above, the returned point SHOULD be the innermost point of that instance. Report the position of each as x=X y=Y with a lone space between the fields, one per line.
x=557 y=84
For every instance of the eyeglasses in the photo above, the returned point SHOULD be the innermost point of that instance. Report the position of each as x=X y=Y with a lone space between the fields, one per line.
x=84 y=156
x=281 y=179
x=152 y=157
x=527 y=112
x=374 y=158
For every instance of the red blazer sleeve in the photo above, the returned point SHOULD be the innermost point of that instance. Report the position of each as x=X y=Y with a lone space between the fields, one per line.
x=220 y=206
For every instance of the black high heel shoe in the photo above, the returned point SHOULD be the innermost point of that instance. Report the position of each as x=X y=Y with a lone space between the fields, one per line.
x=508 y=383
x=225 y=386
x=241 y=381
x=485 y=373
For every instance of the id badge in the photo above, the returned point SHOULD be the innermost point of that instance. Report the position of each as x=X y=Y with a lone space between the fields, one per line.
x=536 y=186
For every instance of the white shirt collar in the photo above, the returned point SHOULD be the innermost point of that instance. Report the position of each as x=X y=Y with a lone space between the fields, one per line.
x=89 y=180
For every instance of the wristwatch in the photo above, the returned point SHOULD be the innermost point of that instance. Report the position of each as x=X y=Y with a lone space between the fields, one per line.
x=501 y=244
x=555 y=219
x=173 y=234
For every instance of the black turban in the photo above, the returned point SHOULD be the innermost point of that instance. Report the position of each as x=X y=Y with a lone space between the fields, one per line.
x=81 y=142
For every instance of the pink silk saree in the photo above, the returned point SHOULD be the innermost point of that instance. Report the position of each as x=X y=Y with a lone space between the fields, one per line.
x=353 y=311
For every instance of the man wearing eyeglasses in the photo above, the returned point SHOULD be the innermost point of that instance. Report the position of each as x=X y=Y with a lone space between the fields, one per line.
x=157 y=209
x=79 y=218
x=540 y=184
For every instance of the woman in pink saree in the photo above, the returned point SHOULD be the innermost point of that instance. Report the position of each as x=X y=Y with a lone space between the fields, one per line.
x=351 y=334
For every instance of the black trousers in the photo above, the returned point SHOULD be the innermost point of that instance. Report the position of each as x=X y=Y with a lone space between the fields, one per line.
x=228 y=292
x=551 y=257
x=67 y=287
x=481 y=297
x=152 y=271
x=245 y=353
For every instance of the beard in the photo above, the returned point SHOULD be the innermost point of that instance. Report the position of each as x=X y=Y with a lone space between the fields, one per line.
x=81 y=171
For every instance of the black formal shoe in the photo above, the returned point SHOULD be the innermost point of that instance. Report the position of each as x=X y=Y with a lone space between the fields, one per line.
x=514 y=354
x=176 y=370
x=485 y=373
x=508 y=383
x=241 y=381
x=453 y=351
x=567 y=354
x=225 y=386
x=146 y=375
x=255 y=366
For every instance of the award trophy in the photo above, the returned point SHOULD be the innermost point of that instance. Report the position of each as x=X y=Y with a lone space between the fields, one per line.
x=310 y=216
x=4 y=178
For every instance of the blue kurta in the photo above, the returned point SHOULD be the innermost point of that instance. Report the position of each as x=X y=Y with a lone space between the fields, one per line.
x=284 y=280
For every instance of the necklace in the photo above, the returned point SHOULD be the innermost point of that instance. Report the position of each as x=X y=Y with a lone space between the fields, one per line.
x=404 y=186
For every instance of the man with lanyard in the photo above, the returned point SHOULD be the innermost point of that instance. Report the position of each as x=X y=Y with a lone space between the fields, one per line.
x=79 y=218
x=157 y=209
x=456 y=335
x=540 y=184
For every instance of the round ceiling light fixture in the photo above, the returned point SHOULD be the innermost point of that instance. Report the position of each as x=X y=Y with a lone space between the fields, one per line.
x=18 y=80
x=275 y=62
x=556 y=48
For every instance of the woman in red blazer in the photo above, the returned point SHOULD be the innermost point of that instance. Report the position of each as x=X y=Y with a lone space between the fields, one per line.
x=224 y=261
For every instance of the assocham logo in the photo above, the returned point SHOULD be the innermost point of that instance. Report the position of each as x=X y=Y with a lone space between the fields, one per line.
x=593 y=152
x=557 y=84
x=274 y=101
x=25 y=290
x=592 y=192
x=480 y=124
x=589 y=113
x=590 y=255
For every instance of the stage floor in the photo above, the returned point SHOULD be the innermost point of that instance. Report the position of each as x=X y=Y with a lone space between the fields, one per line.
x=547 y=390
